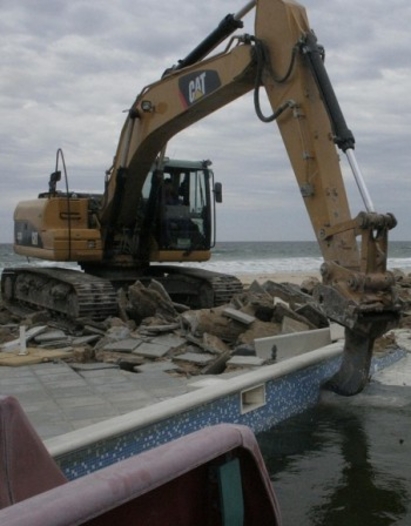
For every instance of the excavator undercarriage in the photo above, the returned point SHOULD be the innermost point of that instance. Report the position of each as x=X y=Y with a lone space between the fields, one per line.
x=74 y=294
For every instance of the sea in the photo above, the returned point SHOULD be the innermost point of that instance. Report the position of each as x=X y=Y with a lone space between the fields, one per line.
x=346 y=461
x=254 y=257
x=261 y=257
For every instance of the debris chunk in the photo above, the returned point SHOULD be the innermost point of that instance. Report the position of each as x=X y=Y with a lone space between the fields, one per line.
x=239 y=316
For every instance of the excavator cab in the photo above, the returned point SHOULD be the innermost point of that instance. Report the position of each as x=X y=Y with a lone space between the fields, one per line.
x=179 y=202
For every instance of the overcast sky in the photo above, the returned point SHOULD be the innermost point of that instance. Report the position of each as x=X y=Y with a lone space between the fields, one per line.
x=69 y=69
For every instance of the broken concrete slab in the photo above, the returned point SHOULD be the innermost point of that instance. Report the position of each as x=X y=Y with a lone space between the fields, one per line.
x=239 y=316
x=83 y=340
x=195 y=358
x=118 y=332
x=194 y=339
x=127 y=345
x=91 y=329
x=209 y=343
x=159 y=346
x=313 y=313
x=281 y=310
x=15 y=344
x=290 y=325
x=172 y=341
x=217 y=366
x=258 y=329
x=245 y=361
x=156 y=366
x=146 y=302
x=48 y=336
x=256 y=288
x=97 y=366
x=151 y=350
x=118 y=357
x=214 y=322
x=158 y=329
x=288 y=292
x=309 y=284
x=213 y=344
x=285 y=346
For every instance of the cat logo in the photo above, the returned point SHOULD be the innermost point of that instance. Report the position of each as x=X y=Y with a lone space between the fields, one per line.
x=195 y=86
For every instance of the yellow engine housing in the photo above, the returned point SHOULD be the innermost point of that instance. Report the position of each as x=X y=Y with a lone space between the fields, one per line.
x=57 y=229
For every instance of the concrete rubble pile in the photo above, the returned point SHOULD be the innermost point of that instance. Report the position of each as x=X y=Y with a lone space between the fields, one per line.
x=255 y=329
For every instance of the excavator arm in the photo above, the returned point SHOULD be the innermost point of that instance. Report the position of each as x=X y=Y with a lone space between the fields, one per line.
x=357 y=291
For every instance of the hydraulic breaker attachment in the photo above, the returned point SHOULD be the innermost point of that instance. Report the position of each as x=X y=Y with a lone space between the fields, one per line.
x=354 y=371
x=363 y=324
x=364 y=299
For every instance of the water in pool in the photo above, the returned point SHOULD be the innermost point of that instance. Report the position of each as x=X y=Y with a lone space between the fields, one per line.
x=346 y=462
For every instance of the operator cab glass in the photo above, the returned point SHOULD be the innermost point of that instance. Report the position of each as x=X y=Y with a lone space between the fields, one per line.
x=182 y=206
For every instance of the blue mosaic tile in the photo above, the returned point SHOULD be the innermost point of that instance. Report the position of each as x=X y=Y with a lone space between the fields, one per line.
x=386 y=360
x=285 y=397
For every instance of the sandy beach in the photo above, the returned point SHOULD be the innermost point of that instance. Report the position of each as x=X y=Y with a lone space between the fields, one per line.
x=292 y=277
x=280 y=277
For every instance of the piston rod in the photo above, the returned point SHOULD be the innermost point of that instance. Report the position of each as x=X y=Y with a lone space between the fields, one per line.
x=246 y=9
x=360 y=180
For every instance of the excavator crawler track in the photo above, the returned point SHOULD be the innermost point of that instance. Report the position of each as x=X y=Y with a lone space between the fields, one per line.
x=225 y=287
x=70 y=293
x=197 y=288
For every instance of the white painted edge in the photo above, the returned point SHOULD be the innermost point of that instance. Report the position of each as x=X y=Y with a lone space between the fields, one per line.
x=299 y=341
x=146 y=416
x=28 y=335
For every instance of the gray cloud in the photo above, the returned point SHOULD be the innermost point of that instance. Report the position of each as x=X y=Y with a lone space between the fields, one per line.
x=69 y=69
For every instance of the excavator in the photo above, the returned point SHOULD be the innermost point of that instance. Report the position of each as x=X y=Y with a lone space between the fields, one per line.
x=154 y=209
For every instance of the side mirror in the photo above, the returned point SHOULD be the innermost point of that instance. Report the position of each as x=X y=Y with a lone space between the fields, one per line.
x=218 y=192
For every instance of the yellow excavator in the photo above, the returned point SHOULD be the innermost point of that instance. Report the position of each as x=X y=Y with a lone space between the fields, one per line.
x=156 y=210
